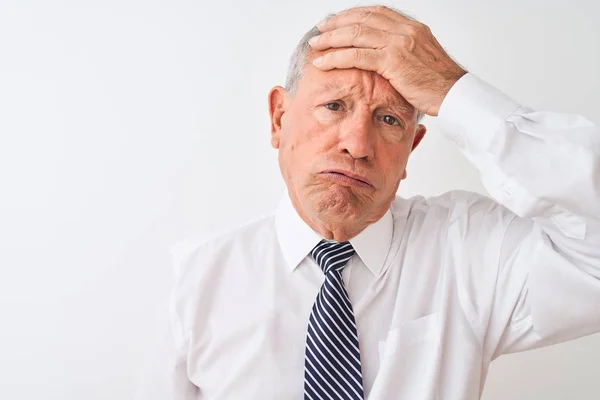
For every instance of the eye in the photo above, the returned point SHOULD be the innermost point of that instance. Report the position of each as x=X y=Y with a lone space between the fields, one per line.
x=390 y=120
x=336 y=106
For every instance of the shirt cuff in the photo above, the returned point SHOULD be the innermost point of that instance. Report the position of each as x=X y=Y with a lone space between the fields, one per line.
x=474 y=110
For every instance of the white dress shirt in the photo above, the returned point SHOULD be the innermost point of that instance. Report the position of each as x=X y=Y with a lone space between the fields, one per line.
x=440 y=286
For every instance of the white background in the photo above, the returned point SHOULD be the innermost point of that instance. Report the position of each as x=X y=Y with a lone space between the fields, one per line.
x=126 y=126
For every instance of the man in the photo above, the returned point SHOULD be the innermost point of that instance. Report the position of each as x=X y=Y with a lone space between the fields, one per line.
x=349 y=292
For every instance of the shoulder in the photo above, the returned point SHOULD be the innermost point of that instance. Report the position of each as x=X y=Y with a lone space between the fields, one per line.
x=200 y=262
x=193 y=252
x=472 y=211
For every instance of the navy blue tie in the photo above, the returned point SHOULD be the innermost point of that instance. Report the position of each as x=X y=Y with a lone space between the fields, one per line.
x=332 y=360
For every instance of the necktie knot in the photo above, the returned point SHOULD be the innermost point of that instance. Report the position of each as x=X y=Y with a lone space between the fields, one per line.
x=331 y=255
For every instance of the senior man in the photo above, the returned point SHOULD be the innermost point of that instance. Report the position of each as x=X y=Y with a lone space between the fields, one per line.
x=347 y=291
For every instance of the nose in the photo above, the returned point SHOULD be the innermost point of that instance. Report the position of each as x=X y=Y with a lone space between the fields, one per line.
x=357 y=136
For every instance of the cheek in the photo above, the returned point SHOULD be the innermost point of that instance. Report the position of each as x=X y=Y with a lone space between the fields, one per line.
x=306 y=142
x=299 y=150
x=393 y=163
x=313 y=128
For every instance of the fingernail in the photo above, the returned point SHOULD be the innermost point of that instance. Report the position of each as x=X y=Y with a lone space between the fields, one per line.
x=318 y=61
x=321 y=24
x=313 y=40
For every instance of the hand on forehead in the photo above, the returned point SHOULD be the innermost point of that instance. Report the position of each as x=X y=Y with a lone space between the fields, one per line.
x=402 y=50
x=353 y=80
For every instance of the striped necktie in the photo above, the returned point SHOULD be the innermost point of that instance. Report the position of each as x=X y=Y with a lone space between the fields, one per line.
x=332 y=360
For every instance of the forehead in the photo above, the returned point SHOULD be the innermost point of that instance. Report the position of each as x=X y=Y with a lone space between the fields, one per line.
x=352 y=81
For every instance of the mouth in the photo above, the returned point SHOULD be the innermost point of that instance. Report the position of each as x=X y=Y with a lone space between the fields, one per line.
x=346 y=178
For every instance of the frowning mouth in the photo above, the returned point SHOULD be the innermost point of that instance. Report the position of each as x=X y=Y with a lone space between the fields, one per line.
x=346 y=178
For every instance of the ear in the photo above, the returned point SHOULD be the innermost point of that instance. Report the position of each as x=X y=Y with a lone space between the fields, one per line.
x=419 y=134
x=277 y=108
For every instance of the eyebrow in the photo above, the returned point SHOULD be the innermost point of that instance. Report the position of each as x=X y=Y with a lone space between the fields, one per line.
x=333 y=86
x=407 y=111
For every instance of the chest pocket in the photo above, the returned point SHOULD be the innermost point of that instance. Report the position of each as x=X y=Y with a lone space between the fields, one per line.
x=409 y=360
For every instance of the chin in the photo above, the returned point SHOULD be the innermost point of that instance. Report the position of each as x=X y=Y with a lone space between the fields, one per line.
x=340 y=201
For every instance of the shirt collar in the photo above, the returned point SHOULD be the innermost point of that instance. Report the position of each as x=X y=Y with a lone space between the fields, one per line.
x=297 y=238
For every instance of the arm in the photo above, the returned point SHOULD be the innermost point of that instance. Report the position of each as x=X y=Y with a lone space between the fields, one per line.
x=545 y=168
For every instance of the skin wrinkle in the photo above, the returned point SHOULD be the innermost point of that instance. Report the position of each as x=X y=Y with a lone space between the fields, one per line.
x=311 y=138
x=333 y=90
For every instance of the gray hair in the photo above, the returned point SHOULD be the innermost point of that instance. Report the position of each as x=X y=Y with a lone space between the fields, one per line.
x=298 y=59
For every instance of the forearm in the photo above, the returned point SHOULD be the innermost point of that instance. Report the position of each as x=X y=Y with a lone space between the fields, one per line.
x=545 y=167
x=536 y=163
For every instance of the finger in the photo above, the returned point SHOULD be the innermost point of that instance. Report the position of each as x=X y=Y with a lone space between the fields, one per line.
x=367 y=59
x=368 y=18
x=375 y=16
x=355 y=35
